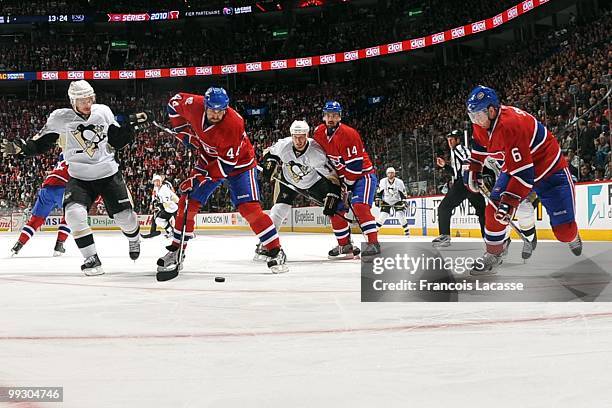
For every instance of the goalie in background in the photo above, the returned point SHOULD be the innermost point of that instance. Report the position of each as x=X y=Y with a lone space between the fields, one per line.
x=165 y=203
x=392 y=194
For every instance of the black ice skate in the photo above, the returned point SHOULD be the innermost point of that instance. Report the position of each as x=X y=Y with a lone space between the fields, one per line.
x=370 y=252
x=59 y=249
x=151 y=234
x=169 y=261
x=16 y=248
x=441 y=241
x=277 y=261
x=134 y=250
x=348 y=251
x=488 y=266
x=261 y=253
x=576 y=245
x=528 y=248
x=92 y=266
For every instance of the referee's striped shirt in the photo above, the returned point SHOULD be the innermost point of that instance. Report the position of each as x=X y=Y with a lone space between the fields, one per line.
x=458 y=155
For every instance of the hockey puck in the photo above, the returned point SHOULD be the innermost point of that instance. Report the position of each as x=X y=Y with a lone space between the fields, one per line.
x=219 y=279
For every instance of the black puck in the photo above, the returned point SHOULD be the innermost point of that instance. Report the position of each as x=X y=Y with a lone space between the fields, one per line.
x=219 y=279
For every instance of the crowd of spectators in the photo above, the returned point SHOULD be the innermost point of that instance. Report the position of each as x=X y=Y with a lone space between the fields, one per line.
x=199 y=42
x=403 y=113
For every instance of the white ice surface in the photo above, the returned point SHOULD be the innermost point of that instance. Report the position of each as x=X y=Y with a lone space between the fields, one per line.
x=301 y=339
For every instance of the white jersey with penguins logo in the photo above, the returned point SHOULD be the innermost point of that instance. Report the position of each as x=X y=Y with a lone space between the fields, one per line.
x=305 y=170
x=167 y=197
x=84 y=141
x=391 y=190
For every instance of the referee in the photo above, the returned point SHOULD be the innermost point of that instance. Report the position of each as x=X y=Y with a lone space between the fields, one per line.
x=457 y=192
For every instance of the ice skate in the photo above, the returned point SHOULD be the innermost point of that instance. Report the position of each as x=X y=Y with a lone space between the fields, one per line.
x=59 y=249
x=134 y=250
x=528 y=248
x=441 y=241
x=348 y=251
x=92 y=266
x=261 y=253
x=370 y=252
x=576 y=245
x=277 y=261
x=488 y=266
x=169 y=261
x=16 y=248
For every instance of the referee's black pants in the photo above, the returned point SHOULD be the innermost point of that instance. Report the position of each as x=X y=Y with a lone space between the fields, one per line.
x=456 y=194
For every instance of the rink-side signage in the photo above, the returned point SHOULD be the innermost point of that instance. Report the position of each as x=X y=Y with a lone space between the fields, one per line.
x=408 y=271
x=306 y=61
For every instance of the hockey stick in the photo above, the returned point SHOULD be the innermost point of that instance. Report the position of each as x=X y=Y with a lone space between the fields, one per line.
x=172 y=132
x=163 y=276
x=515 y=227
x=305 y=195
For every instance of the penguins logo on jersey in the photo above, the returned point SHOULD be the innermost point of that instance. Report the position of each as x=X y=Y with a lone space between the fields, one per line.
x=89 y=137
x=298 y=171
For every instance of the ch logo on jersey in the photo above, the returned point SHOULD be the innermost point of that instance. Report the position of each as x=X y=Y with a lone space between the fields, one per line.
x=89 y=137
x=298 y=171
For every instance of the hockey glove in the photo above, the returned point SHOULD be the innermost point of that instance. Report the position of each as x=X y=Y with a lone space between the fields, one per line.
x=10 y=148
x=269 y=167
x=190 y=141
x=193 y=182
x=507 y=207
x=331 y=204
x=472 y=175
x=377 y=202
x=141 y=121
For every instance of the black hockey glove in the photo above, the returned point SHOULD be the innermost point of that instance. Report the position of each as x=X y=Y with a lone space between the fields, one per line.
x=269 y=167
x=331 y=204
x=141 y=121
x=9 y=148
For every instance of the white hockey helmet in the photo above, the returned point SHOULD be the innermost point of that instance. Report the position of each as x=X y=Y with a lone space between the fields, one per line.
x=390 y=170
x=79 y=89
x=157 y=177
x=299 y=127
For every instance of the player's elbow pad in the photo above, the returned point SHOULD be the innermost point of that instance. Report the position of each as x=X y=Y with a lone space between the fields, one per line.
x=119 y=137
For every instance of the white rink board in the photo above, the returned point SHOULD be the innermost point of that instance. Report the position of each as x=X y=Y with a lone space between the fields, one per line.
x=593 y=215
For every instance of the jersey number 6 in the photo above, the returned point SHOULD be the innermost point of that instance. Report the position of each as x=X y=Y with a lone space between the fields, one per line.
x=516 y=155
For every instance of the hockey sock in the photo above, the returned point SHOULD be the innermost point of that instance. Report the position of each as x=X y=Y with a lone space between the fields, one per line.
x=566 y=232
x=28 y=229
x=85 y=241
x=127 y=220
x=366 y=221
x=76 y=215
x=261 y=224
x=406 y=229
x=529 y=232
x=381 y=219
x=341 y=229
x=62 y=231
x=192 y=210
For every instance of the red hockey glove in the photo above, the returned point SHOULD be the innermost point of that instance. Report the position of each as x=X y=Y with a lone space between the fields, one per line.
x=190 y=140
x=472 y=175
x=507 y=207
x=193 y=182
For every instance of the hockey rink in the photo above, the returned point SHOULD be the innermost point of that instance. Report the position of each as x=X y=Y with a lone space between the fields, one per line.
x=301 y=339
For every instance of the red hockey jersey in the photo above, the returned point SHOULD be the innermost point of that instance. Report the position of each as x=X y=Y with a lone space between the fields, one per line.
x=345 y=150
x=529 y=151
x=59 y=175
x=223 y=149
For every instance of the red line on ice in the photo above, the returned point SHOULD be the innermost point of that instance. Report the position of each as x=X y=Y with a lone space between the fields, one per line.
x=409 y=327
